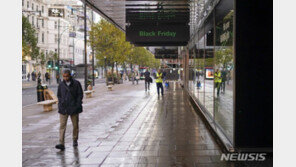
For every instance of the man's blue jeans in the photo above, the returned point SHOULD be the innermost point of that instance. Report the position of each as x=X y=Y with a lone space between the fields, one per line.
x=159 y=85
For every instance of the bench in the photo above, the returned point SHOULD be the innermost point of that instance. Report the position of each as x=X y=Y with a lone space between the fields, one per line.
x=110 y=87
x=47 y=104
x=88 y=93
x=110 y=83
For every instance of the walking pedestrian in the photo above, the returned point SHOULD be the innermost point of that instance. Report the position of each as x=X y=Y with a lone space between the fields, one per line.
x=133 y=77
x=218 y=81
x=28 y=76
x=58 y=78
x=159 y=77
x=33 y=76
x=224 y=78
x=46 y=76
x=137 y=77
x=147 y=80
x=70 y=95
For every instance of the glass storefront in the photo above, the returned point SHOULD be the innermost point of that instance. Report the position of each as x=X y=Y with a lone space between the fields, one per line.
x=211 y=72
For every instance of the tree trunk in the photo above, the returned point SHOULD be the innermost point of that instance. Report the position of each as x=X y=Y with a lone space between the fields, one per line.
x=116 y=67
x=112 y=72
x=131 y=67
x=124 y=69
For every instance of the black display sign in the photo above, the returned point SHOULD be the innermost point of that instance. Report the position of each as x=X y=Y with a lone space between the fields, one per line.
x=164 y=35
x=166 y=51
x=166 y=56
x=172 y=17
x=56 y=12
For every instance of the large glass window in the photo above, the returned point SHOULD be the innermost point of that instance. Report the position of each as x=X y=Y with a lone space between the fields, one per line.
x=211 y=76
x=191 y=70
x=224 y=70
x=201 y=63
x=33 y=20
x=42 y=37
x=209 y=65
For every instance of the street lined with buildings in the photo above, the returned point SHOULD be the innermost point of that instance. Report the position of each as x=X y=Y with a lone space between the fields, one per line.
x=59 y=31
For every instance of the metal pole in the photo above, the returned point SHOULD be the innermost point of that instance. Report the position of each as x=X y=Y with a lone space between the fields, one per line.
x=105 y=71
x=58 y=71
x=73 y=53
x=85 y=51
x=93 y=54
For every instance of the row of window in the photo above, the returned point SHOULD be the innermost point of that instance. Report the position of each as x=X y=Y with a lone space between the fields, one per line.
x=63 y=40
x=32 y=6
x=37 y=22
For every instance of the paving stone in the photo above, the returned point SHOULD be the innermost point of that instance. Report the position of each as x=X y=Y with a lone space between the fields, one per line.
x=125 y=127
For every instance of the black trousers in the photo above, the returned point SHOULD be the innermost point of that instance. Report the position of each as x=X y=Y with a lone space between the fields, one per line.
x=159 y=86
x=147 y=85
x=223 y=86
x=218 y=86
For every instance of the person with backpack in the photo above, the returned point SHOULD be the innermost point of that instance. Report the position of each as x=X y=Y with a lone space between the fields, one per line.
x=224 y=78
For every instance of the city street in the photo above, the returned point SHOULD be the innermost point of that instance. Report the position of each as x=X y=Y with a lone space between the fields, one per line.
x=124 y=127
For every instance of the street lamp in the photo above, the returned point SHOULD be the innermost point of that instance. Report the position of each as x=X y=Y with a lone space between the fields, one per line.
x=59 y=39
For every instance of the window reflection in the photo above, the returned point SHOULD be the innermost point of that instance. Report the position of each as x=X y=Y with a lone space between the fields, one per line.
x=211 y=67
x=224 y=68
x=201 y=69
x=191 y=71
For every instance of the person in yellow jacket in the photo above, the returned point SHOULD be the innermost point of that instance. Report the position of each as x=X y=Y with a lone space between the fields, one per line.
x=159 y=81
x=218 y=80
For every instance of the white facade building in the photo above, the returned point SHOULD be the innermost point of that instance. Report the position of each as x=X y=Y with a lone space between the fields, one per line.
x=47 y=16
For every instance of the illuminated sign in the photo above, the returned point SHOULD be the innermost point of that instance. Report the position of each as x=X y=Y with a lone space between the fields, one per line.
x=56 y=12
x=175 y=17
x=209 y=73
x=165 y=35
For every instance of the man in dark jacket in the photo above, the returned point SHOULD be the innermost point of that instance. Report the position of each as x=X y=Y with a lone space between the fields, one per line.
x=70 y=95
x=147 y=80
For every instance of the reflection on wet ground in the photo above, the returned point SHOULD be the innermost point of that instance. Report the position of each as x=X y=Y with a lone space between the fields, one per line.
x=124 y=127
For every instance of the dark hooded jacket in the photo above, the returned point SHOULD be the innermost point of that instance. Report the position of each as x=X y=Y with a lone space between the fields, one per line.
x=70 y=97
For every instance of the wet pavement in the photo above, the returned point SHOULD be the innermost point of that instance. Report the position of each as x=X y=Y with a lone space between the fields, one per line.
x=124 y=127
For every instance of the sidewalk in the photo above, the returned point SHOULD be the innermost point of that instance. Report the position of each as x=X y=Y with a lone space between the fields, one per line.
x=124 y=127
x=33 y=84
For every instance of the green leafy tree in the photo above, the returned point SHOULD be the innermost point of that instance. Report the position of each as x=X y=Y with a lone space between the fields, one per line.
x=224 y=56
x=109 y=44
x=29 y=40
x=108 y=41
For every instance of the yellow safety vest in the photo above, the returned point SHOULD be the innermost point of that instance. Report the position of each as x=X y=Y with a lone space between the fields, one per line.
x=218 y=77
x=158 y=78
